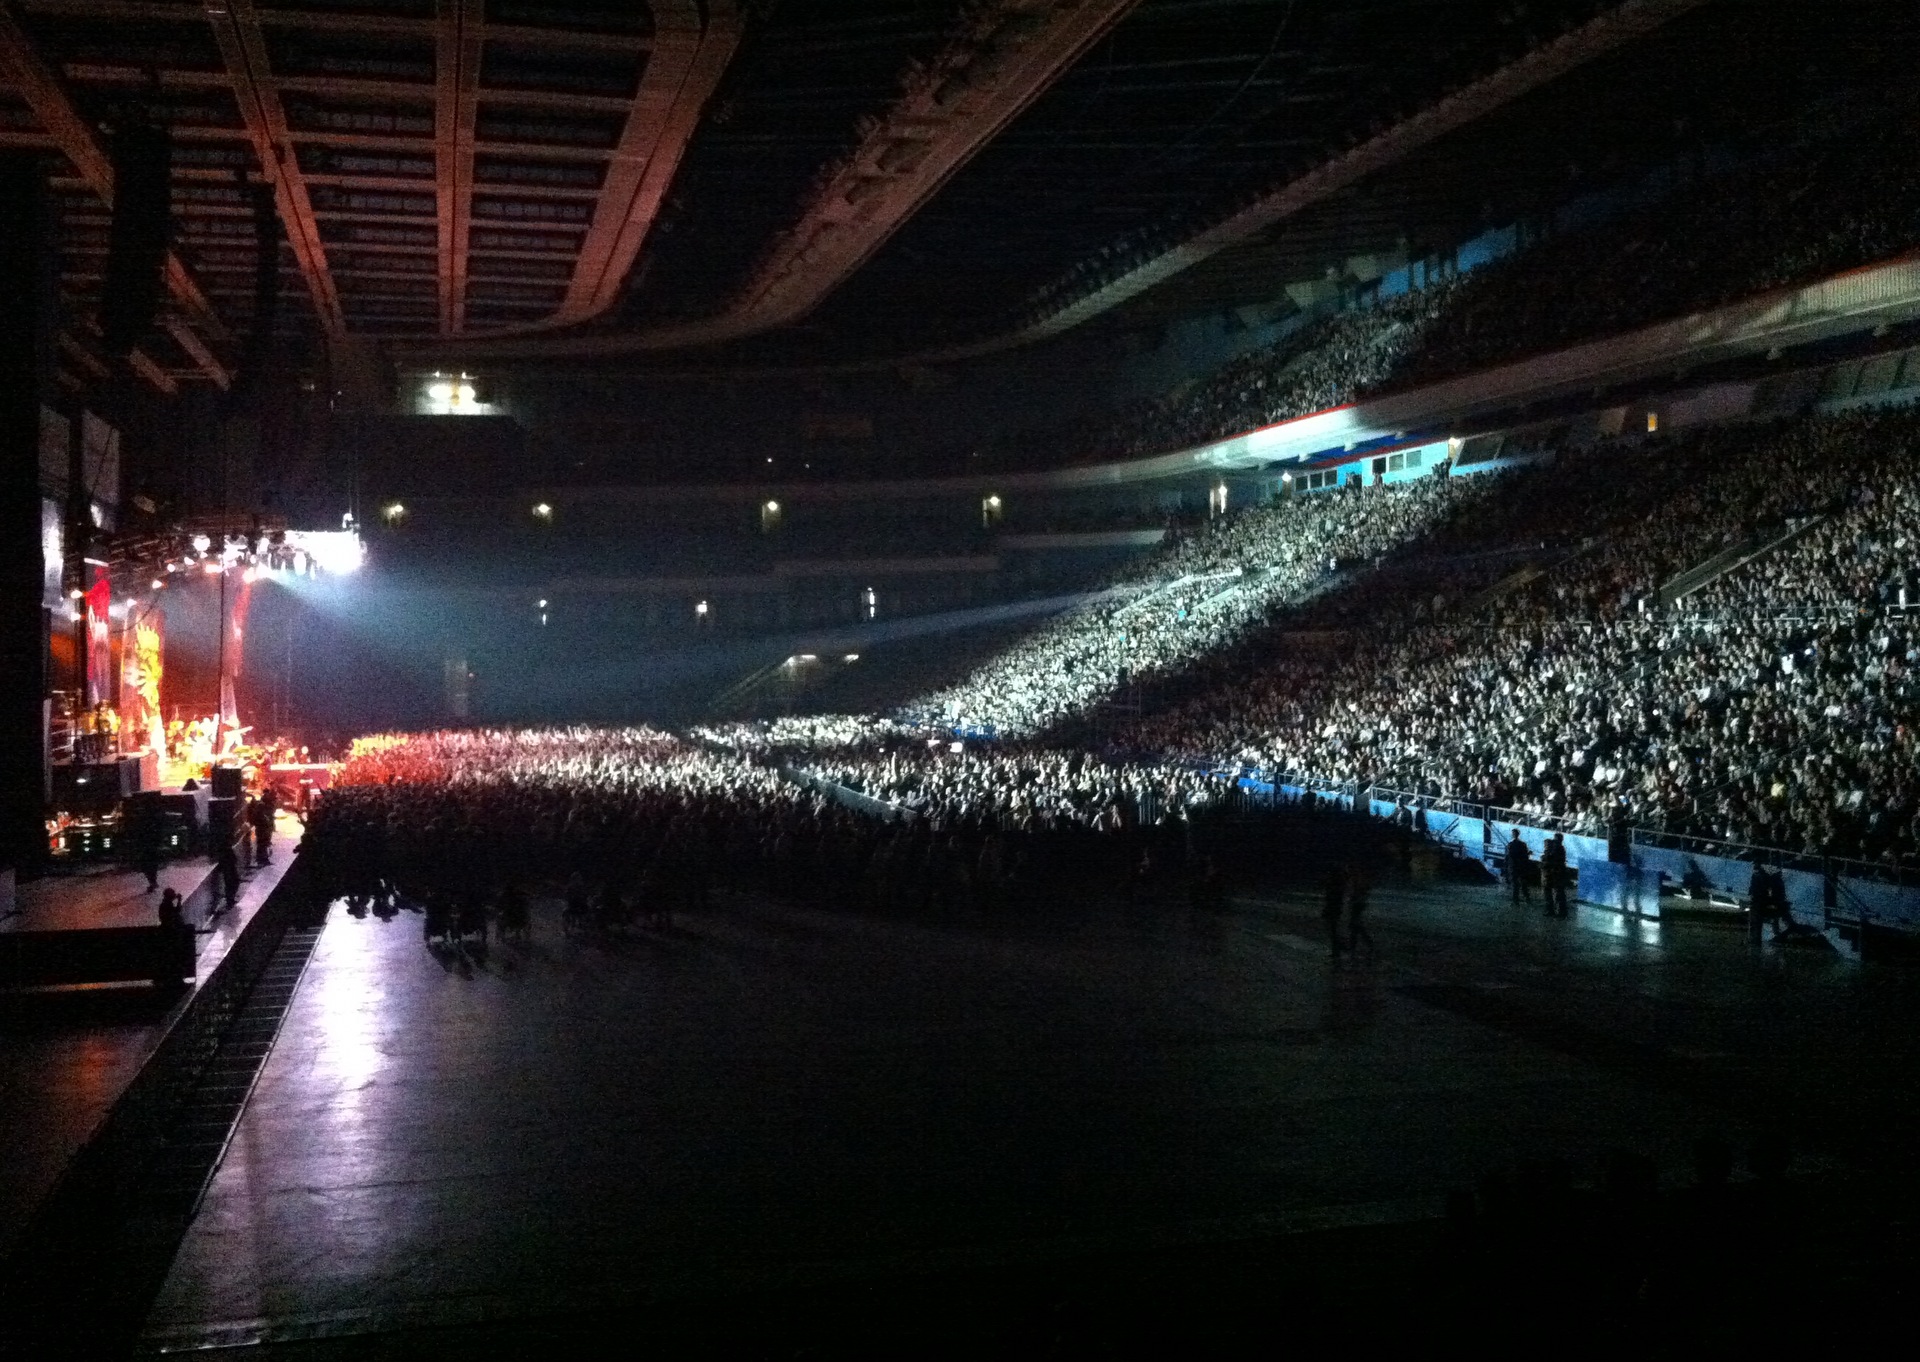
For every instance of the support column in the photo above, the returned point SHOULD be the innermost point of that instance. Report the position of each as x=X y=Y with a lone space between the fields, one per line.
x=26 y=282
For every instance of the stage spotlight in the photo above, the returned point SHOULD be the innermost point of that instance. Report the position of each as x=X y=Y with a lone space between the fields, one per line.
x=542 y=511
x=336 y=552
x=395 y=513
x=201 y=543
x=158 y=583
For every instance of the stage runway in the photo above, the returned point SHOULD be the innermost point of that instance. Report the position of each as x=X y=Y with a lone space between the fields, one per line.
x=68 y=1056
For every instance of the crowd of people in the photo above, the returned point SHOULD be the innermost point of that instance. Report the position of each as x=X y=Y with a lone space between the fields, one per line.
x=1321 y=364
x=1016 y=786
x=1510 y=639
x=1529 y=640
x=1845 y=194
x=1773 y=707
x=1193 y=596
x=633 y=825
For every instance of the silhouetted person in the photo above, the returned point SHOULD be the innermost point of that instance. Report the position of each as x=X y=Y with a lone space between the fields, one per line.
x=260 y=815
x=1333 y=905
x=1555 y=874
x=1759 y=900
x=1358 y=889
x=147 y=849
x=1778 y=912
x=227 y=867
x=173 y=910
x=1519 y=869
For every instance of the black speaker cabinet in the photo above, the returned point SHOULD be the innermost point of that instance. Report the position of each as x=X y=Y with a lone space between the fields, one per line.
x=89 y=787
x=223 y=822
x=226 y=782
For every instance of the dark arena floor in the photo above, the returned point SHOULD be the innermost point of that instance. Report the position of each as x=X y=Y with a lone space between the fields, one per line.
x=799 y=1131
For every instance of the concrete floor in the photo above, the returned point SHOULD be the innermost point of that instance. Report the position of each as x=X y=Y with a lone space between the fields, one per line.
x=773 y=1094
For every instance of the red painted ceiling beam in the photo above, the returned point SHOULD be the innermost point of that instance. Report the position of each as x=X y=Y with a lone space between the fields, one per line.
x=456 y=108
x=687 y=62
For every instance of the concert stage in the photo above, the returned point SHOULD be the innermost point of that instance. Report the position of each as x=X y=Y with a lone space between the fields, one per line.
x=70 y=1053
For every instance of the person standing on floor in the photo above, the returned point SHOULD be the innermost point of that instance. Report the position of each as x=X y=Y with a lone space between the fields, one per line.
x=227 y=867
x=1358 y=888
x=1520 y=869
x=1332 y=906
x=1554 y=874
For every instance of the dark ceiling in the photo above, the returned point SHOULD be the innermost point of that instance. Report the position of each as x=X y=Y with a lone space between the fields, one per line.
x=456 y=170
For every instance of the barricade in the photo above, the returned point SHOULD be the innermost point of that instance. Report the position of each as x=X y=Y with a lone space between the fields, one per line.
x=1623 y=888
x=1807 y=895
x=852 y=799
x=1891 y=906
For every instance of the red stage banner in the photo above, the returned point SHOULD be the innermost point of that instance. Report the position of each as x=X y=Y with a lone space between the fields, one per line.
x=99 y=600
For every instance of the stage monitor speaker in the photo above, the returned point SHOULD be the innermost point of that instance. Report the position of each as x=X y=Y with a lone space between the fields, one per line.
x=226 y=782
x=142 y=154
x=223 y=822
x=190 y=807
x=88 y=786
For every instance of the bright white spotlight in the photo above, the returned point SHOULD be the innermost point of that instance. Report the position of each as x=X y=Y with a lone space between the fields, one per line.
x=201 y=543
x=542 y=511
x=441 y=393
x=337 y=552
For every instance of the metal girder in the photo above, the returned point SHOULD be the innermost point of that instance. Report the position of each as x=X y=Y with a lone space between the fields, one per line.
x=243 y=46
x=1599 y=36
x=343 y=21
x=196 y=350
x=967 y=96
x=153 y=373
x=687 y=62
x=456 y=109
x=1013 y=52
x=22 y=67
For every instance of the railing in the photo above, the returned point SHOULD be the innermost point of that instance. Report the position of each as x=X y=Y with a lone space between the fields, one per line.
x=1813 y=862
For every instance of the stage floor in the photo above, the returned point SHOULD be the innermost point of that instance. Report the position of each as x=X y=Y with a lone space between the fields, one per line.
x=772 y=1095
x=104 y=896
x=66 y=1056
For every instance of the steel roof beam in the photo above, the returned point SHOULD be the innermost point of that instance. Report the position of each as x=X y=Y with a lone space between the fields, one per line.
x=688 y=59
x=1546 y=63
x=243 y=45
x=336 y=21
x=458 y=42
x=1012 y=52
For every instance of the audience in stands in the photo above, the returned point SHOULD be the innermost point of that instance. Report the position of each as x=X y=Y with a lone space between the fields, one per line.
x=1193 y=596
x=1774 y=706
x=1846 y=195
